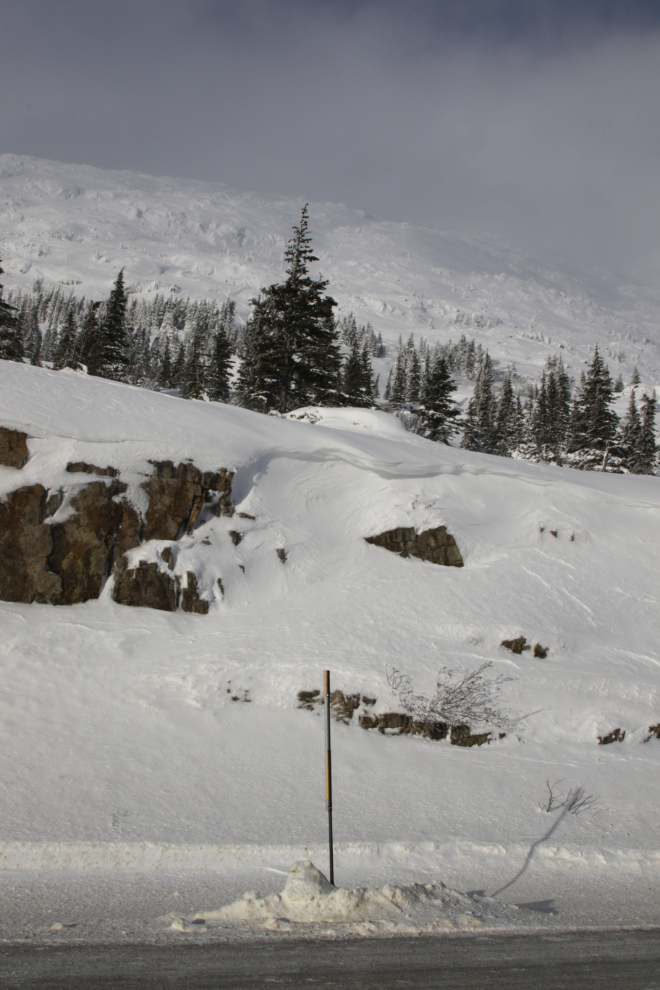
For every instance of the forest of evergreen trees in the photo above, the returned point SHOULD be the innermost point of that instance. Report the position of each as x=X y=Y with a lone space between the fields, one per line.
x=292 y=352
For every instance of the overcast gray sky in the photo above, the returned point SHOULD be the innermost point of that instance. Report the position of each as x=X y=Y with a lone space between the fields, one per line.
x=533 y=119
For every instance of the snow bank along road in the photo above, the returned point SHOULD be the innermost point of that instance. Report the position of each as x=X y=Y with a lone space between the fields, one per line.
x=147 y=743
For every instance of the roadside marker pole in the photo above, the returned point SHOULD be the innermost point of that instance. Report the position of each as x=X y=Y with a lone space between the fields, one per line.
x=328 y=771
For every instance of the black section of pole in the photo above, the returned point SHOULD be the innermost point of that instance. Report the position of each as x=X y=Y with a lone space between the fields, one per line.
x=328 y=771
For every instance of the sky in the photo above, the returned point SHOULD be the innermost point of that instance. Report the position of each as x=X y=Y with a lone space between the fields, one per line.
x=535 y=120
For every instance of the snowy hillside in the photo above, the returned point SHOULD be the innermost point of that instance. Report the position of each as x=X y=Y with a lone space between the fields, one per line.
x=76 y=225
x=147 y=739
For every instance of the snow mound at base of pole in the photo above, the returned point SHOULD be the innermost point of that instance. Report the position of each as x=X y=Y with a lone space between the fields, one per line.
x=309 y=898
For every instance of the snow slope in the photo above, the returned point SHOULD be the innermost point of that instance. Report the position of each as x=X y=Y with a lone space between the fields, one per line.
x=121 y=746
x=76 y=226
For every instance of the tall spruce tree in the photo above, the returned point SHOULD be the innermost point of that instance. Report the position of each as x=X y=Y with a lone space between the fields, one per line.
x=631 y=434
x=109 y=356
x=414 y=383
x=218 y=377
x=593 y=423
x=164 y=379
x=506 y=426
x=440 y=410
x=480 y=431
x=648 y=447
x=399 y=383
x=352 y=373
x=292 y=348
x=11 y=340
x=66 y=344
x=192 y=381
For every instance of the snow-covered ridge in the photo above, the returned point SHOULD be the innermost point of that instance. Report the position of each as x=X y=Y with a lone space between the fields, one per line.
x=75 y=226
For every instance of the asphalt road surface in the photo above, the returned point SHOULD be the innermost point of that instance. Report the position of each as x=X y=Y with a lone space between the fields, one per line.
x=611 y=960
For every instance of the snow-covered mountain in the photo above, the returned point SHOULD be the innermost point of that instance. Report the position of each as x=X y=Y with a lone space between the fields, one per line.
x=76 y=225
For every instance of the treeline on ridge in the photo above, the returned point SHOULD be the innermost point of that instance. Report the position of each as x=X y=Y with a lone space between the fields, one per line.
x=292 y=352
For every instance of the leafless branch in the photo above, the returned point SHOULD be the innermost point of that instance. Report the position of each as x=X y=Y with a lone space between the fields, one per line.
x=553 y=801
x=574 y=803
x=460 y=698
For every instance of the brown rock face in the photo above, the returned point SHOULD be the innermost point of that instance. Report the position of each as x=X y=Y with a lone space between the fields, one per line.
x=461 y=736
x=176 y=497
x=190 y=600
x=148 y=586
x=516 y=645
x=25 y=545
x=13 y=448
x=83 y=546
x=435 y=545
x=80 y=467
x=67 y=562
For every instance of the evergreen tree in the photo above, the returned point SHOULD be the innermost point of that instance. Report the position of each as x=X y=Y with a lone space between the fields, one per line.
x=399 y=384
x=387 y=394
x=218 y=378
x=165 y=371
x=352 y=373
x=293 y=353
x=594 y=424
x=369 y=380
x=506 y=425
x=634 y=380
x=631 y=434
x=648 y=448
x=480 y=427
x=440 y=409
x=11 y=340
x=87 y=337
x=178 y=371
x=108 y=358
x=35 y=360
x=64 y=356
x=192 y=382
x=414 y=383
x=249 y=392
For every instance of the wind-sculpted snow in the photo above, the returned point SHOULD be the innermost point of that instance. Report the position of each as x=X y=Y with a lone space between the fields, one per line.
x=75 y=226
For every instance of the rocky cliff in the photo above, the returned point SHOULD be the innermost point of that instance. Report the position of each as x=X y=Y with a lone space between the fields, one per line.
x=60 y=545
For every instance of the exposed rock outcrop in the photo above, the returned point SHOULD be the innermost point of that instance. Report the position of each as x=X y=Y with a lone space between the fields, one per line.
x=461 y=736
x=87 y=544
x=80 y=467
x=67 y=560
x=516 y=645
x=176 y=497
x=434 y=545
x=190 y=600
x=13 y=448
x=148 y=586
x=616 y=735
x=25 y=545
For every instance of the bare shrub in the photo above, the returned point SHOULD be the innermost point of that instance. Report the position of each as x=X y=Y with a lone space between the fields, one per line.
x=460 y=698
x=574 y=802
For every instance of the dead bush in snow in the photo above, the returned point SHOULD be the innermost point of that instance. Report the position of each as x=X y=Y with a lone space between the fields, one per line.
x=574 y=802
x=461 y=698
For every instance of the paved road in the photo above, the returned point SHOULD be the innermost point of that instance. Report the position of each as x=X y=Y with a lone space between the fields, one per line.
x=575 y=961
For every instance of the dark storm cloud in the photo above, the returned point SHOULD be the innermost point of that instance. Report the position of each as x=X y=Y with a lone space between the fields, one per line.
x=538 y=120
